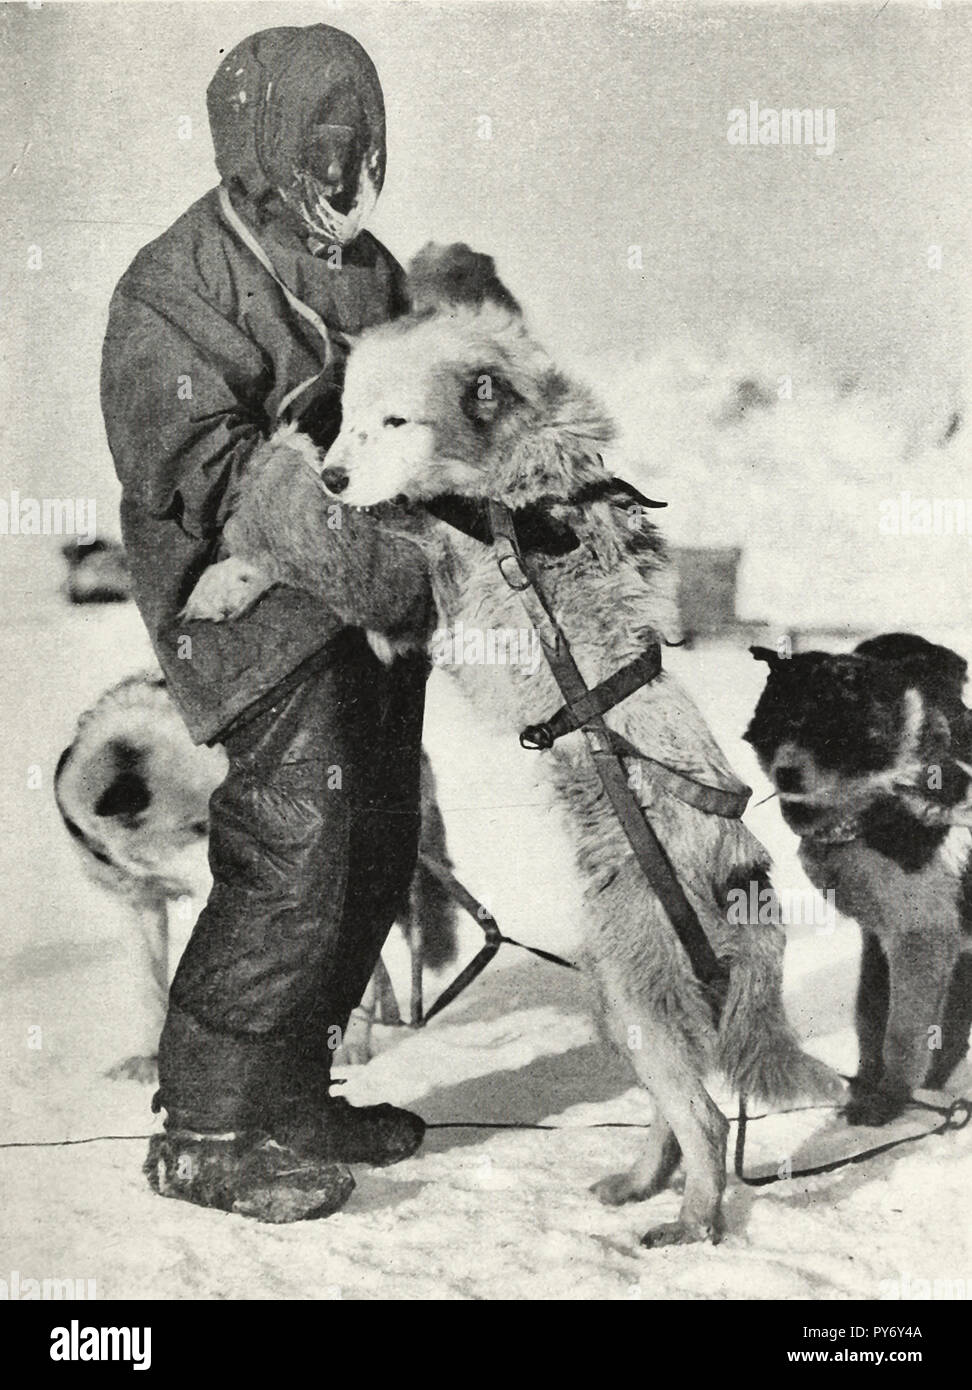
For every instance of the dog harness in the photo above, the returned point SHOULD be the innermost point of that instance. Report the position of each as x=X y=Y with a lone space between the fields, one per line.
x=532 y=530
x=584 y=710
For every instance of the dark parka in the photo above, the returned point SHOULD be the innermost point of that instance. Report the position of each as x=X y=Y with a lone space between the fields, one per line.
x=202 y=348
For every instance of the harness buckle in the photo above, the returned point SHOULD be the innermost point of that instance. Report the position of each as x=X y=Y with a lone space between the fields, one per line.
x=522 y=575
x=537 y=737
x=959 y=1114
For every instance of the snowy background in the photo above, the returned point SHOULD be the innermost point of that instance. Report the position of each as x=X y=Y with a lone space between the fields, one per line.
x=478 y=1213
x=758 y=265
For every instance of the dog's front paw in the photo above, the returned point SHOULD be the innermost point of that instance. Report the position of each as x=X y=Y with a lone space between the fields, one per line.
x=875 y=1108
x=226 y=590
x=614 y=1190
x=142 y=1069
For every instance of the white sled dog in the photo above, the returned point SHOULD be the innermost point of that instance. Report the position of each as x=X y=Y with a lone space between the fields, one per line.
x=457 y=400
x=133 y=791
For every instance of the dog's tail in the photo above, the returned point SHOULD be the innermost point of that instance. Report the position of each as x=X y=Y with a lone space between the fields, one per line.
x=758 y=1050
x=435 y=911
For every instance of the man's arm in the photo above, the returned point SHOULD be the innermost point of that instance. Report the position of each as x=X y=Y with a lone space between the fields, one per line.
x=291 y=529
x=181 y=408
x=188 y=435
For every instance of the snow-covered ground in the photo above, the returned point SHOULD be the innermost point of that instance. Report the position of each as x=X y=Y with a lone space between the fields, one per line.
x=478 y=1213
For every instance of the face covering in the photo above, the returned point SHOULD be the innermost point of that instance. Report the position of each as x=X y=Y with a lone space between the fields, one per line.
x=315 y=200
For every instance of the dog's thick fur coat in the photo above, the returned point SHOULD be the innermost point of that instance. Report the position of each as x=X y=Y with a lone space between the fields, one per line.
x=463 y=402
x=869 y=755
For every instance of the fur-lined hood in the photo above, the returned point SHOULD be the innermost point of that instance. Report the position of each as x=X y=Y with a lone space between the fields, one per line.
x=264 y=103
x=198 y=305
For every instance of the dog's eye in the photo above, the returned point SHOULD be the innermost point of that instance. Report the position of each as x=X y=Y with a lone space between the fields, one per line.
x=200 y=827
x=394 y=421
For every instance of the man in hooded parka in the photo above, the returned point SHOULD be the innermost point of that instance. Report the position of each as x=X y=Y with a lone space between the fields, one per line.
x=223 y=332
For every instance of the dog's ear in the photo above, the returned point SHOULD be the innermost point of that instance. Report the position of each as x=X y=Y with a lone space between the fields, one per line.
x=772 y=659
x=487 y=396
x=441 y=277
x=938 y=670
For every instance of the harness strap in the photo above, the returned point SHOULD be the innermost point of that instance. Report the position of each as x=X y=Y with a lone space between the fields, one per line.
x=299 y=307
x=729 y=802
x=603 y=697
x=494 y=937
x=954 y=1116
x=711 y=973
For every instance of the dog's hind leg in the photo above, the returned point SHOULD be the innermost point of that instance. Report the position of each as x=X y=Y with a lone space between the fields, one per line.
x=873 y=996
x=386 y=1004
x=956 y=1022
x=355 y=1049
x=687 y=1122
x=701 y=1131
x=150 y=972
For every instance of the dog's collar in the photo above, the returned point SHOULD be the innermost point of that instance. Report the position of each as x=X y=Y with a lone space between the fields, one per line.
x=841 y=832
x=537 y=531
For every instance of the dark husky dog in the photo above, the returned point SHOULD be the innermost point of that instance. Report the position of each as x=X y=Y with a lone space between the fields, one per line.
x=133 y=791
x=869 y=753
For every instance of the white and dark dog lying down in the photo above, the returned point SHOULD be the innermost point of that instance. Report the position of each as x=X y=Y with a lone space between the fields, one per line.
x=458 y=401
x=133 y=791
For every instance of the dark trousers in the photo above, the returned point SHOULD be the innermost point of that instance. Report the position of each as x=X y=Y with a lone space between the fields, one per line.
x=313 y=841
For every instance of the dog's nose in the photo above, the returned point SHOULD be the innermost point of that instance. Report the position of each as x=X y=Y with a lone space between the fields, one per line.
x=789 y=779
x=335 y=479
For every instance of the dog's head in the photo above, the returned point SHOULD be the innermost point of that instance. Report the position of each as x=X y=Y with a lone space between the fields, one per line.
x=837 y=733
x=458 y=399
x=136 y=791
